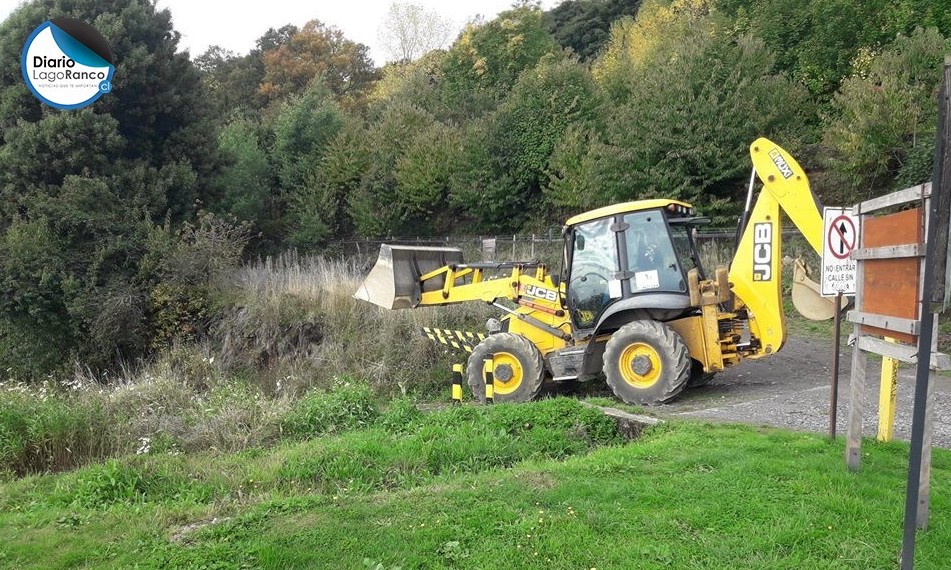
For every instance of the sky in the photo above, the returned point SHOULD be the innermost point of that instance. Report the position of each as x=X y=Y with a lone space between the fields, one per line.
x=229 y=24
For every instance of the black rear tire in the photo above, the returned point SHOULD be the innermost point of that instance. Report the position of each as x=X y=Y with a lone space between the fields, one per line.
x=646 y=362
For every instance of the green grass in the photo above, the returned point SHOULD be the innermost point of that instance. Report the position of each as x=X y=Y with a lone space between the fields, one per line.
x=543 y=485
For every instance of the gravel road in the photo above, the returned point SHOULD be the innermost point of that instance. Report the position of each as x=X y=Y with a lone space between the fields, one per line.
x=792 y=389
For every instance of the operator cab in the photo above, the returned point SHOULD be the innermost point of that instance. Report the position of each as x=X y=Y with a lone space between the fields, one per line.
x=629 y=257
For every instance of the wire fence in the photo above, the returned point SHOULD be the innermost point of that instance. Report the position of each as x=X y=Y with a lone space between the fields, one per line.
x=716 y=246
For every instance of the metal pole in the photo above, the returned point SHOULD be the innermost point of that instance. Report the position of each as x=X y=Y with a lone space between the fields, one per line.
x=922 y=374
x=836 y=344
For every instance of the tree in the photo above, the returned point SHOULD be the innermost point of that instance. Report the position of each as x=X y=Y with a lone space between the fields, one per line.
x=318 y=50
x=79 y=190
x=231 y=81
x=585 y=25
x=558 y=93
x=816 y=41
x=885 y=116
x=410 y=30
x=303 y=128
x=424 y=176
x=246 y=179
x=375 y=205
x=419 y=81
x=320 y=210
x=688 y=100
x=486 y=60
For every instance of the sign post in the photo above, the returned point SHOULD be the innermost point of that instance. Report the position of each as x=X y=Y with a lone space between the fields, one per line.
x=840 y=230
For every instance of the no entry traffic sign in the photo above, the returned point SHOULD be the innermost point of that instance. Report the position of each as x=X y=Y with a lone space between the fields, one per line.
x=841 y=236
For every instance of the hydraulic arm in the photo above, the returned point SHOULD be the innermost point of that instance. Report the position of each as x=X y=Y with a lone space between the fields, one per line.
x=756 y=272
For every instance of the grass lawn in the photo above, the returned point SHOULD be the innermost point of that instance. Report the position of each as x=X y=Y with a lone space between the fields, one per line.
x=437 y=495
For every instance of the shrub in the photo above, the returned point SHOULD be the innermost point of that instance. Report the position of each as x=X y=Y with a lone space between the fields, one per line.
x=348 y=407
x=107 y=484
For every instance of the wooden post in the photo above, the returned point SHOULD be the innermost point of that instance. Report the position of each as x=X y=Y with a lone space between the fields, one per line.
x=853 y=444
x=853 y=447
x=941 y=178
x=924 y=479
x=917 y=495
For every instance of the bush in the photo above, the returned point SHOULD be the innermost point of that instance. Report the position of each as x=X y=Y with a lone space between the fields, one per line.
x=349 y=407
x=107 y=484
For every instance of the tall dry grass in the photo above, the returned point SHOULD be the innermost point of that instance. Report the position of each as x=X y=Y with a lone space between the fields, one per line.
x=297 y=315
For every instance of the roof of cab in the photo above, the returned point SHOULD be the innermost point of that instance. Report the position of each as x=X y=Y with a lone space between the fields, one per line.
x=623 y=208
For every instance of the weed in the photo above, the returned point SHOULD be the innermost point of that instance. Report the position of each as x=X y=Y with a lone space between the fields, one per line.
x=400 y=416
x=41 y=429
x=107 y=484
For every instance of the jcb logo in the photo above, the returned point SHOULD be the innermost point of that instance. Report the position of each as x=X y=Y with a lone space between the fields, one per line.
x=763 y=251
x=541 y=293
x=781 y=163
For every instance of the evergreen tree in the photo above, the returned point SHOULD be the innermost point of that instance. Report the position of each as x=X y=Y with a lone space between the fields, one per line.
x=84 y=187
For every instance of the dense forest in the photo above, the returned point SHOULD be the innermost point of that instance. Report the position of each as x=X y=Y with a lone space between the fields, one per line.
x=115 y=220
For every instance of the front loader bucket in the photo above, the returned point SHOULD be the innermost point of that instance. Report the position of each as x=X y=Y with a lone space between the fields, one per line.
x=394 y=283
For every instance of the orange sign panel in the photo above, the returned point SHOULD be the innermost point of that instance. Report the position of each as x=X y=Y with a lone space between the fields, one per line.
x=890 y=287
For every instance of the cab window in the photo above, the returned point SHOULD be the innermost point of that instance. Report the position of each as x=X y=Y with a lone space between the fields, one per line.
x=650 y=255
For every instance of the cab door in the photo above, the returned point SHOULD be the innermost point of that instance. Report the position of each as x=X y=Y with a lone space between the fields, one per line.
x=593 y=267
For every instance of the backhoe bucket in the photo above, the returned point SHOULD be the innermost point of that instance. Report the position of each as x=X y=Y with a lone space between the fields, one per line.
x=807 y=297
x=394 y=282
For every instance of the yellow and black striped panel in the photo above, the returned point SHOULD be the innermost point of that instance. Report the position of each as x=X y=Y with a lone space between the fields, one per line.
x=459 y=340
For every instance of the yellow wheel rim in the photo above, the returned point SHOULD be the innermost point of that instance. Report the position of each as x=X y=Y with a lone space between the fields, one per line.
x=504 y=381
x=640 y=365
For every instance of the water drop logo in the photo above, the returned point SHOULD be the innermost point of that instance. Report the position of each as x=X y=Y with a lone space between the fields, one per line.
x=67 y=64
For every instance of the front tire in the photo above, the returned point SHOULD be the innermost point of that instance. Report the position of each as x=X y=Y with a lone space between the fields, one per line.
x=518 y=368
x=646 y=362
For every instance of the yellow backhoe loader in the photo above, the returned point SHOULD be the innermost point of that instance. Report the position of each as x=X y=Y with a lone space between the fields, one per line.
x=632 y=300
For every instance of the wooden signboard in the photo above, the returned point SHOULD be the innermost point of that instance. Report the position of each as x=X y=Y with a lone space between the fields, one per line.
x=892 y=286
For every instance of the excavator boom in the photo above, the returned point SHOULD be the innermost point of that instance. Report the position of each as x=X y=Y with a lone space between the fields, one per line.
x=756 y=272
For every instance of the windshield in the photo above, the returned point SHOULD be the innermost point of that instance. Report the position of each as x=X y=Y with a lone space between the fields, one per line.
x=593 y=263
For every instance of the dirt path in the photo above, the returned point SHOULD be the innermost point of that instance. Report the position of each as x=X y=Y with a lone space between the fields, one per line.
x=792 y=389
